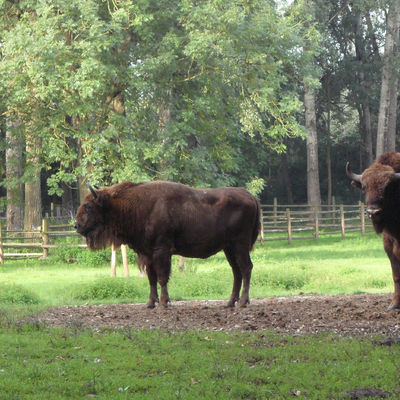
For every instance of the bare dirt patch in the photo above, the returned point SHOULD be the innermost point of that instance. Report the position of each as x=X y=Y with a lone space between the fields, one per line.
x=347 y=315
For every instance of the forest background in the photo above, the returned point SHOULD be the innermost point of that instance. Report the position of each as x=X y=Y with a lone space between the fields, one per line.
x=270 y=95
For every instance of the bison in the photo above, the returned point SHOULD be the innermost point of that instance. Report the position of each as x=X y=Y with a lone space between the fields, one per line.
x=158 y=219
x=381 y=185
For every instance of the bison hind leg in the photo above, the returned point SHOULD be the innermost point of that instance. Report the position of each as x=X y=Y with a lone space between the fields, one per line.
x=239 y=259
x=152 y=276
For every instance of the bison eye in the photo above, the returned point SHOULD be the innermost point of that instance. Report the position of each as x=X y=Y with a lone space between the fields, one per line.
x=87 y=207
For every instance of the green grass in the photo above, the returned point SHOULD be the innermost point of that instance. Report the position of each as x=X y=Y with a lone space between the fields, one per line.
x=331 y=265
x=53 y=364
x=38 y=362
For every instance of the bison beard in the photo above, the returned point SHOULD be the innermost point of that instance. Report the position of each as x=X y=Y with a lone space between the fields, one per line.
x=381 y=185
x=159 y=219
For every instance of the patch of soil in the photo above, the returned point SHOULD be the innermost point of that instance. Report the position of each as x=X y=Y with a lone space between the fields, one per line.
x=347 y=315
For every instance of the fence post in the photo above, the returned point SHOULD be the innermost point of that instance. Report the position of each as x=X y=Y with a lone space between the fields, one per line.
x=316 y=223
x=275 y=211
x=289 y=225
x=333 y=210
x=342 y=226
x=45 y=237
x=362 y=218
x=1 y=245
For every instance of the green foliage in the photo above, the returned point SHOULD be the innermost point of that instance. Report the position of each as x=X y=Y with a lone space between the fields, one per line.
x=109 y=288
x=17 y=295
x=94 y=258
x=66 y=254
x=172 y=90
x=255 y=186
x=283 y=278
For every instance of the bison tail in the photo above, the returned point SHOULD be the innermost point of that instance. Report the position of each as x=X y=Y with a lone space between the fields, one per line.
x=257 y=223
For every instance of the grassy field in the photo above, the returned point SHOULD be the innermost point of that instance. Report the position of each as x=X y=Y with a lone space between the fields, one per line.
x=38 y=362
x=331 y=265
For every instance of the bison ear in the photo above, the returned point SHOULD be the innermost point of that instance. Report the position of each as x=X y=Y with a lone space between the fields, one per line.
x=356 y=184
x=103 y=200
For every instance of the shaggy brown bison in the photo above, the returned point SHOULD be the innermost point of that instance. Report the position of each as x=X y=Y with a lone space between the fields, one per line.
x=381 y=185
x=159 y=219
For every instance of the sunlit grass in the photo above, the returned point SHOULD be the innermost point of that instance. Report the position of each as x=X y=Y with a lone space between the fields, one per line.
x=40 y=363
x=330 y=265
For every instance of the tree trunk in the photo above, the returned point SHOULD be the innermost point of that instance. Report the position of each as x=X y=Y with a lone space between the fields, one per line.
x=365 y=115
x=33 y=199
x=286 y=178
x=386 y=133
x=328 y=151
x=313 y=188
x=15 y=194
x=67 y=204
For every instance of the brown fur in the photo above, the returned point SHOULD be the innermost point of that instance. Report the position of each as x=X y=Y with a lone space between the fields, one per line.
x=159 y=219
x=382 y=199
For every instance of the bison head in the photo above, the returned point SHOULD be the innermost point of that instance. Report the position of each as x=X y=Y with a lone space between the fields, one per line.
x=91 y=219
x=380 y=185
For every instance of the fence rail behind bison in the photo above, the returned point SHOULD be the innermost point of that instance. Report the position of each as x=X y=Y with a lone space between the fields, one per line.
x=289 y=222
x=278 y=222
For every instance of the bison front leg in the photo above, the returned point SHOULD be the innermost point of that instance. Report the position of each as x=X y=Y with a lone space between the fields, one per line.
x=395 y=304
x=392 y=249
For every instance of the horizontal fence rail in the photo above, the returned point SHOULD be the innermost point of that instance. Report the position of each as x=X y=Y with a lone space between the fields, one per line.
x=288 y=222
x=278 y=222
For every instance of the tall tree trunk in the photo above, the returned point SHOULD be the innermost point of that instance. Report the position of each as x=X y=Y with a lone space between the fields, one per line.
x=328 y=150
x=313 y=188
x=33 y=198
x=368 y=141
x=386 y=133
x=67 y=204
x=15 y=194
x=365 y=115
x=286 y=178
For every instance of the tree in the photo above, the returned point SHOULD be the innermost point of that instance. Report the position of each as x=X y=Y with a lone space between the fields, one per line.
x=14 y=170
x=386 y=134
x=310 y=75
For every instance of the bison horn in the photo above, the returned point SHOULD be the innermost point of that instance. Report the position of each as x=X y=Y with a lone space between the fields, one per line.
x=94 y=193
x=396 y=176
x=352 y=175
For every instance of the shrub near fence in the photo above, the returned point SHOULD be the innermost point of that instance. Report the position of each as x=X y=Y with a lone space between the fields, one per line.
x=279 y=222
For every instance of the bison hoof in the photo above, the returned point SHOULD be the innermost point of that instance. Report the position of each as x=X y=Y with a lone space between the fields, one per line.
x=150 y=306
x=243 y=304
x=394 y=307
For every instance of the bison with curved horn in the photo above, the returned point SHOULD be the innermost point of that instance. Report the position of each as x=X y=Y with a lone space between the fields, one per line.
x=381 y=185
x=158 y=219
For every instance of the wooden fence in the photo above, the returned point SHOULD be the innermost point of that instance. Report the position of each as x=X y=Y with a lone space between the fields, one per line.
x=39 y=241
x=279 y=222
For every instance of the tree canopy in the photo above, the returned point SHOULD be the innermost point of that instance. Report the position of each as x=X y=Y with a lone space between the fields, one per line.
x=206 y=93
